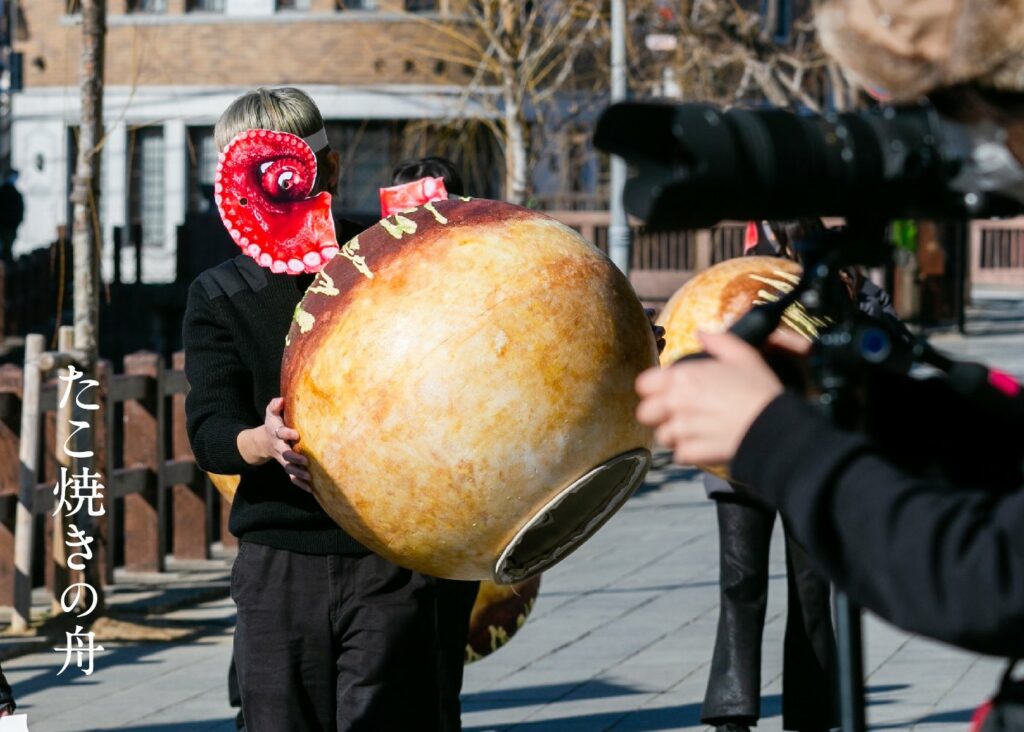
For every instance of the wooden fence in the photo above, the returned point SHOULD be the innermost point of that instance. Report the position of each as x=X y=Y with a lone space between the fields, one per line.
x=35 y=289
x=662 y=261
x=158 y=502
x=997 y=252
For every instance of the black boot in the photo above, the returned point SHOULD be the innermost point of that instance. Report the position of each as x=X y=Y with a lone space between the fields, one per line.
x=734 y=683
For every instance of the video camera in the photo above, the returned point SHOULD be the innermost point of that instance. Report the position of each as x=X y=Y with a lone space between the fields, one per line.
x=696 y=165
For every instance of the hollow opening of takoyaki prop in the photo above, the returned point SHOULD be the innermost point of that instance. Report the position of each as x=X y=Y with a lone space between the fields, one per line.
x=571 y=517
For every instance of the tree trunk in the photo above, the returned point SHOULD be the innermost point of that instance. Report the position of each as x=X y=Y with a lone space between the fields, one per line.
x=85 y=227
x=770 y=20
x=515 y=145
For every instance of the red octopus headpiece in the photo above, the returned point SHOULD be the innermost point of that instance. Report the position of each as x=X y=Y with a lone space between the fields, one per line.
x=411 y=195
x=262 y=190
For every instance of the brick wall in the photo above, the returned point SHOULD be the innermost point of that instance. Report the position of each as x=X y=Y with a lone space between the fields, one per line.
x=321 y=46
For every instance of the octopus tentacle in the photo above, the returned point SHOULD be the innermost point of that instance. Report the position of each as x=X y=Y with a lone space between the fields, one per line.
x=262 y=190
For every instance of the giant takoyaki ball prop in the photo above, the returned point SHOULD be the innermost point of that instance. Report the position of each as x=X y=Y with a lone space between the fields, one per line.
x=462 y=376
x=226 y=485
x=719 y=296
x=716 y=298
x=498 y=614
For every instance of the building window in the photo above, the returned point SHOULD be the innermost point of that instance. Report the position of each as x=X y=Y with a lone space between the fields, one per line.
x=204 y=6
x=420 y=6
x=355 y=4
x=293 y=4
x=202 y=167
x=147 y=6
x=146 y=183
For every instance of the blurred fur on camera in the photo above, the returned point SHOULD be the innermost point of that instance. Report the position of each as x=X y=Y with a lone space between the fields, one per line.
x=908 y=48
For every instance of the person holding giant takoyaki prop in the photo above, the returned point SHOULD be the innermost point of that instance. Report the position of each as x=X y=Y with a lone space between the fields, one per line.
x=732 y=702
x=745 y=523
x=329 y=635
x=457 y=382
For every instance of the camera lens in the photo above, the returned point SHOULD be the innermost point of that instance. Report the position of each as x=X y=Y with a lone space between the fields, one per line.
x=874 y=345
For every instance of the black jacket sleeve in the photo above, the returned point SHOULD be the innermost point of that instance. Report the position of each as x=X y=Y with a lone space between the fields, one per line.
x=219 y=402
x=943 y=561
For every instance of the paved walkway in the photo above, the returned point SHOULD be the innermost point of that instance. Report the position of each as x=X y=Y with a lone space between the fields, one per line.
x=620 y=640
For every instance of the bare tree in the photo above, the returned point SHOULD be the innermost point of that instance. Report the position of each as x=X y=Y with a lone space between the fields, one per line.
x=535 y=73
x=526 y=63
x=735 y=51
x=85 y=198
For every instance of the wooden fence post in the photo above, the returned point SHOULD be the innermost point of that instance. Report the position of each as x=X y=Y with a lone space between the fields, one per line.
x=703 y=250
x=59 y=554
x=29 y=467
x=106 y=524
x=145 y=534
x=10 y=414
x=977 y=232
x=190 y=525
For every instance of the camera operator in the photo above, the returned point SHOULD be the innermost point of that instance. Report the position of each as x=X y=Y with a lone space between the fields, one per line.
x=929 y=552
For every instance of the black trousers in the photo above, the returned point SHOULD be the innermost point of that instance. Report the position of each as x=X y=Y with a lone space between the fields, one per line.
x=454 y=605
x=809 y=652
x=333 y=643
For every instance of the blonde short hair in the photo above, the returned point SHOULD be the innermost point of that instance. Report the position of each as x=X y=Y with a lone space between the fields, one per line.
x=285 y=109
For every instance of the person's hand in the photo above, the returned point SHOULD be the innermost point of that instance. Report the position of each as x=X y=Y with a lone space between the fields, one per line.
x=280 y=440
x=702 y=409
x=659 y=332
x=6 y=710
x=274 y=440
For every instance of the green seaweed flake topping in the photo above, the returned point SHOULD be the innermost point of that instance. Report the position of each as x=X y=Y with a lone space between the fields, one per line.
x=305 y=320
x=348 y=251
x=438 y=216
x=323 y=285
x=402 y=225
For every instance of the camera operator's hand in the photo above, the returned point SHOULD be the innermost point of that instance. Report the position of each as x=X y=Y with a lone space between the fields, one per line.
x=702 y=409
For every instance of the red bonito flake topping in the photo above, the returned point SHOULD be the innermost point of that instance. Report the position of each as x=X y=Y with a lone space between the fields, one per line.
x=262 y=189
x=411 y=195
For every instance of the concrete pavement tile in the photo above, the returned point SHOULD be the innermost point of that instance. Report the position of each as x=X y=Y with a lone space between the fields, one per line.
x=484 y=717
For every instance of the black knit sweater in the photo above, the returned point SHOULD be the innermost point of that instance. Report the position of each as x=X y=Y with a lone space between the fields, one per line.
x=237 y=316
